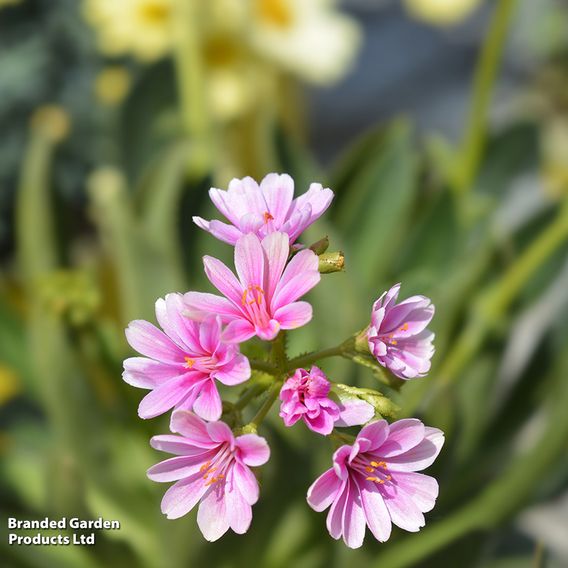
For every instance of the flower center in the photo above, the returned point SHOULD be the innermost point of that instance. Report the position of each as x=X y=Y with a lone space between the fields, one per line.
x=267 y=217
x=276 y=13
x=252 y=294
x=189 y=362
x=215 y=470
x=375 y=471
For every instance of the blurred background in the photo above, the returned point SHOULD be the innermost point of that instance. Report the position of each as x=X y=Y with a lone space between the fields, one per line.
x=442 y=127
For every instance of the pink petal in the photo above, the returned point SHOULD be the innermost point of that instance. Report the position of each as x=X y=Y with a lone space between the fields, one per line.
x=353 y=412
x=388 y=299
x=294 y=315
x=177 y=468
x=210 y=334
x=148 y=374
x=250 y=223
x=276 y=248
x=249 y=261
x=354 y=524
x=164 y=397
x=403 y=435
x=268 y=332
x=376 y=432
x=169 y=313
x=318 y=198
x=208 y=404
x=199 y=305
x=421 y=489
x=212 y=516
x=278 y=191
x=323 y=490
x=148 y=340
x=254 y=450
x=305 y=265
x=376 y=512
x=246 y=196
x=174 y=444
x=403 y=512
x=334 y=519
x=246 y=483
x=181 y=497
x=226 y=233
x=232 y=209
x=223 y=279
x=297 y=222
x=192 y=427
x=235 y=372
x=219 y=432
x=420 y=456
x=238 y=331
x=239 y=512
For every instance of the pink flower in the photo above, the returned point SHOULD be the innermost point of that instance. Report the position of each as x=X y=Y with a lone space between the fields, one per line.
x=374 y=482
x=263 y=298
x=398 y=337
x=265 y=209
x=305 y=396
x=212 y=467
x=181 y=365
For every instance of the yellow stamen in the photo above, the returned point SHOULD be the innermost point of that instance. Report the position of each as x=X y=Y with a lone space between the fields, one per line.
x=404 y=327
x=268 y=217
x=255 y=298
x=189 y=362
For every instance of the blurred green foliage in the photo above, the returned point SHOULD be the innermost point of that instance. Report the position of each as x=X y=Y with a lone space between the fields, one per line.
x=492 y=255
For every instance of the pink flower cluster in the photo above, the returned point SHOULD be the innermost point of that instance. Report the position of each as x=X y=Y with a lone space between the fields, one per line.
x=373 y=481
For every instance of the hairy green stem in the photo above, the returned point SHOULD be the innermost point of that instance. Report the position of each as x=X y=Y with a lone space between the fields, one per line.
x=250 y=394
x=305 y=360
x=265 y=408
x=264 y=366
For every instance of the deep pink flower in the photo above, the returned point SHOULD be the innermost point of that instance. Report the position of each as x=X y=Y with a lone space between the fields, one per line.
x=398 y=337
x=212 y=467
x=263 y=298
x=305 y=396
x=182 y=364
x=374 y=482
x=263 y=209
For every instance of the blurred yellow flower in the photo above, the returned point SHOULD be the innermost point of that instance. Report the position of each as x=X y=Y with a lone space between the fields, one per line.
x=139 y=27
x=441 y=12
x=309 y=38
x=9 y=3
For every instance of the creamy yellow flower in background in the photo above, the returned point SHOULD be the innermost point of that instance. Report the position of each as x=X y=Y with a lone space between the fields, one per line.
x=138 y=27
x=441 y=12
x=310 y=38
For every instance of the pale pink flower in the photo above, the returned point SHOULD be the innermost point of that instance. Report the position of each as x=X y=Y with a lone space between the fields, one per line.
x=398 y=337
x=264 y=209
x=181 y=365
x=374 y=482
x=304 y=397
x=212 y=468
x=262 y=300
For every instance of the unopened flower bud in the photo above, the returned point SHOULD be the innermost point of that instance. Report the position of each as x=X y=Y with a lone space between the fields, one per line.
x=319 y=247
x=331 y=262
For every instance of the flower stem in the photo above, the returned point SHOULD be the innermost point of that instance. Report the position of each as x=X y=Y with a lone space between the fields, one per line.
x=264 y=366
x=250 y=394
x=265 y=408
x=484 y=79
x=305 y=360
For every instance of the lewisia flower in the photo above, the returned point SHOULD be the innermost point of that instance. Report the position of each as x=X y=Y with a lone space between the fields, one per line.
x=263 y=298
x=139 y=27
x=374 y=482
x=182 y=364
x=212 y=468
x=441 y=12
x=310 y=38
x=305 y=396
x=398 y=337
x=264 y=209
